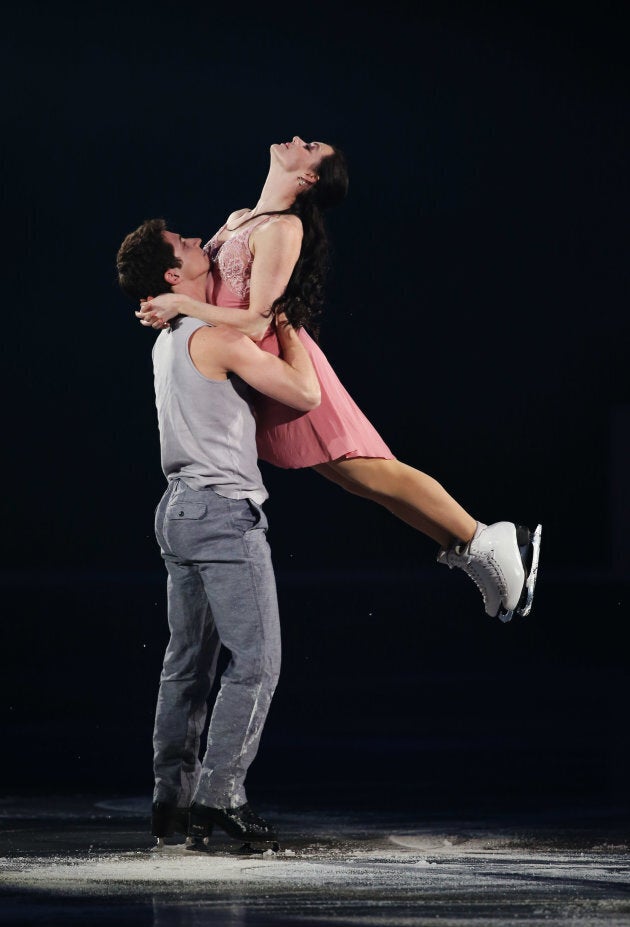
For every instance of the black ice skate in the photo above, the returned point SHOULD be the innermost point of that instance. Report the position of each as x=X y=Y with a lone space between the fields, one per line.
x=242 y=823
x=167 y=819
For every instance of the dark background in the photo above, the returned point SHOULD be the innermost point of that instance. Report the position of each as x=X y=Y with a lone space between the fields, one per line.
x=477 y=312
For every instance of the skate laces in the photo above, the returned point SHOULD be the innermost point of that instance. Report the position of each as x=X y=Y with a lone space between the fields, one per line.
x=483 y=569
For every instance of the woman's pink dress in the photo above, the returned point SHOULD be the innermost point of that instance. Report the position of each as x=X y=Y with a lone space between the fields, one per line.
x=285 y=437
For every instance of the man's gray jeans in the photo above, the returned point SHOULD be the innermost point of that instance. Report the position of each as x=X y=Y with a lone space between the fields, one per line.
x=221 y=590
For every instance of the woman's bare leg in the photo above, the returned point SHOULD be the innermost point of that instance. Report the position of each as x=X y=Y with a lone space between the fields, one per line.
x=411 y=495
x=501 y=559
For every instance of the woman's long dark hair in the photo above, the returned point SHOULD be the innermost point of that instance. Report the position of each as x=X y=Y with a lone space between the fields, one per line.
x=303 y=298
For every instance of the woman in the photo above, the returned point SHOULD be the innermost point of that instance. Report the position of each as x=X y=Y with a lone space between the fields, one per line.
x=272 y=258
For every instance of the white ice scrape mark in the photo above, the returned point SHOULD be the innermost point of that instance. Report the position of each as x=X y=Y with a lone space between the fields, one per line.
x=175 y=867
x=432 y=843
x=136 y=805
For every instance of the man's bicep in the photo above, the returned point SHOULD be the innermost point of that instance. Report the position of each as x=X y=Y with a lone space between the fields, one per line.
x=263 y=371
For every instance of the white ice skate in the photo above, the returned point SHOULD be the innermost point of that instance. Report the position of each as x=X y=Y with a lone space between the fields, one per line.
x=502 y=559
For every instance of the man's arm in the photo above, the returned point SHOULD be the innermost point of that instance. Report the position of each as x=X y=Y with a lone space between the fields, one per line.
x=291 y=378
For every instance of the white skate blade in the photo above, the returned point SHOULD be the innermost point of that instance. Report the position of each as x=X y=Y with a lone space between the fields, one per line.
x=530 y=583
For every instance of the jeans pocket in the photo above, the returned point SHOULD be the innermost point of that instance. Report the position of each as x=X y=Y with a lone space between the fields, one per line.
x=244 y=515
x=178 y=510
x=258 y=514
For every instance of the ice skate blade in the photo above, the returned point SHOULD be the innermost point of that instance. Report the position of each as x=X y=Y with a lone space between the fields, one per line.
x=261 y=848
x=532 y=575
x=252 y=849
x=197 y=844
x=162 y=846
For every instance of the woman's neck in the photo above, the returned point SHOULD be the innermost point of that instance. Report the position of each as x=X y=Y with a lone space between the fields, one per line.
x=278 y=192
x=277 y=195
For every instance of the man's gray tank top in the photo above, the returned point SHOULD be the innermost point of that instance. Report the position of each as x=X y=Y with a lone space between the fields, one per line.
x=207 y=428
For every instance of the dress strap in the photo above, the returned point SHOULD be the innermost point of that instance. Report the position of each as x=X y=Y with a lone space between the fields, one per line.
x=249 y=228
x=213 y=245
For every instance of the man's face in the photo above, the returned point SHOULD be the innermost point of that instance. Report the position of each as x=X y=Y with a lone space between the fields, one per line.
x=195 y=261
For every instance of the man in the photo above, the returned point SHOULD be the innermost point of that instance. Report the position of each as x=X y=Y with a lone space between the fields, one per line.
x=212 y=533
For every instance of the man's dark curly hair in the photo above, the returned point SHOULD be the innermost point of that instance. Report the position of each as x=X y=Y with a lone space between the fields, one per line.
x=143 y=259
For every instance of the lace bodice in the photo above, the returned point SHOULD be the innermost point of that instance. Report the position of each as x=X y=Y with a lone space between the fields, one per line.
x=286 y=437
x=234 y=258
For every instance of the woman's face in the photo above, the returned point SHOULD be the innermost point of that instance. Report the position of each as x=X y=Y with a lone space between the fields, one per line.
x=298 y=155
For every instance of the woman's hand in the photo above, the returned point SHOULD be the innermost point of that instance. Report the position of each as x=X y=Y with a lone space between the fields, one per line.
x=159 y=310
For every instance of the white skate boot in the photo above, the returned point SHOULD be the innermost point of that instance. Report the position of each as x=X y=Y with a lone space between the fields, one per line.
x=503 y=562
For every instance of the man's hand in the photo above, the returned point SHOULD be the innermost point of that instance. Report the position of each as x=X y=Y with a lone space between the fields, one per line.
x=157 y=311
x=285 y=332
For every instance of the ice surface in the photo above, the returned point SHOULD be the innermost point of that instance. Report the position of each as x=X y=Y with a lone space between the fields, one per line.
x=394 y=862
x=331 y=869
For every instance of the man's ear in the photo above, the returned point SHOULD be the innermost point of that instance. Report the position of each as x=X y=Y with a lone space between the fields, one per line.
x=172 y=276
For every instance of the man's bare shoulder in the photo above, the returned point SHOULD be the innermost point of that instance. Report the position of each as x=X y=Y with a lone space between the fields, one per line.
x=214 y=336
x=215 y=350
x=221 y=344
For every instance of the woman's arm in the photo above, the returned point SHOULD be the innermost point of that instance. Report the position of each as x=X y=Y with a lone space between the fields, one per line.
x=158 y=312
x=276 y=249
